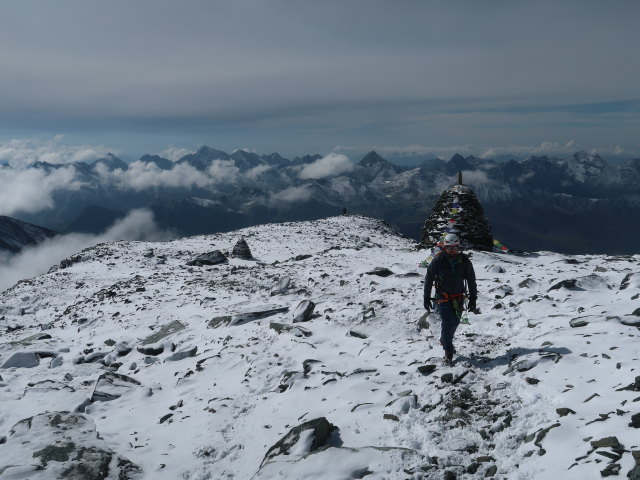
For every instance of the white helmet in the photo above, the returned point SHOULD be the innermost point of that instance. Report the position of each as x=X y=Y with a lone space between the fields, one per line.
x=451 y=240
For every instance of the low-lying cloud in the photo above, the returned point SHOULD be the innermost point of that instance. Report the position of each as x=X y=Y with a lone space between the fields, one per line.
x=20 y=153
x=137 y=225
x=329 y=166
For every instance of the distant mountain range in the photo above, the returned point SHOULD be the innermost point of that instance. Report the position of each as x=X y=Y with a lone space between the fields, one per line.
x=15 y=235
x=579 y=204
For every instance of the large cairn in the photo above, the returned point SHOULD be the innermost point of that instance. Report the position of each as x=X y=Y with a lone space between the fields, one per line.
x=458 y=211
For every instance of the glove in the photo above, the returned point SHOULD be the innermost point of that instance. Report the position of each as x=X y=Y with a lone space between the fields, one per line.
x=472 y=304
x=427 y=306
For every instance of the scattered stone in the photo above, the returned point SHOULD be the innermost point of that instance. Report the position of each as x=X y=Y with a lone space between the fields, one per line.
x=607 y=442
x=491 y=471
x=630 y=280
x=320 y=430
x=527 y=283
x=611 y=469
x=210 y=258
x=216 y=322
x=353 y=333
x=181 y=355
x=427 y=369
x=423 y=324
x=294 y=329
x=563 y=412
x=531 y=380
x=111 y=385
x=303 y=312
x=56 y=362
x=531 y=323
x=591 y=397
x=389 y=416
x=380 y=272
x=61 y=445
x=256 y=314
x=165 y=331
x=579 y=322
x=568 y=284
x=635 y=421
x=165 y=417
x=22 y=360
x=152 y=350
x=281 y=286
x=446 y=378
x=242 y=250
x=634 y=387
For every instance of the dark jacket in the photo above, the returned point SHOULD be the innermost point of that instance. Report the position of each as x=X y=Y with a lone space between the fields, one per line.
x=449 y=276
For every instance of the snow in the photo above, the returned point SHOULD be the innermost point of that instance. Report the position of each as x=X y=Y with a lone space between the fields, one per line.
x=247 y=385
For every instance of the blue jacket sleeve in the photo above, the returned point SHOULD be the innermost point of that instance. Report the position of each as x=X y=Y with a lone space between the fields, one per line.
x=428 y=283
x=470 y=275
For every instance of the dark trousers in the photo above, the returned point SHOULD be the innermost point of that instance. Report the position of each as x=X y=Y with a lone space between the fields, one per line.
x=450 y=322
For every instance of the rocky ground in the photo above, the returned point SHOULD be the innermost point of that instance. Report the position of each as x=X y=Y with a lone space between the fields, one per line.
x=307 y=355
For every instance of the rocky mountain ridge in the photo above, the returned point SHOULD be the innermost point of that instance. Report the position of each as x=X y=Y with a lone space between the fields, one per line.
x=310 y=357
x=537 y=203
x=16 y=235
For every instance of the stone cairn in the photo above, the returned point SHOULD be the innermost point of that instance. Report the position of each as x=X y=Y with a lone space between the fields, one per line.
x=458 y=211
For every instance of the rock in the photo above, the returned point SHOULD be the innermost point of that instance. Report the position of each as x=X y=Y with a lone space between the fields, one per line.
x=531 y=380
x=389 y=416
x=563 y=412
x=22 y=360
x=607 y=442
x=568 y=284
x=282 y=285
x=353 y=333
x=447 y=378
x=380 y=272
x=94 y=357
x=293 y=329
x=61 y=445
x=578 y=322
x=635 y=421
x=533 y=323
x=165 y=331
x=527 y=283
x=152 y=350
x=495 y=269
x=302 y=439
x=634 y=473
x=56 y=362
x=256 y=313
x=592 y=282
x=630 y=280
x=221 y=321
x=303 y=311
x=427 y=369
x=242 y=250
x=111 y=385
x=423 y=324
x=611 y=469
x=634 y=387
x=181 y=355
x=491 y=471
x=210 y=258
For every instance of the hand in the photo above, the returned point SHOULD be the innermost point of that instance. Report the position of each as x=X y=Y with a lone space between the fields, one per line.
x=472 y=305
x=427 y=307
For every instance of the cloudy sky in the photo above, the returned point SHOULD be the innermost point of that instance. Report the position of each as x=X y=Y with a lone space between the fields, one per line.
x=482 y=77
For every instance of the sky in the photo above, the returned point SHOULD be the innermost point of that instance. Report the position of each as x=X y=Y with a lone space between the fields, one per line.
x=348 y=76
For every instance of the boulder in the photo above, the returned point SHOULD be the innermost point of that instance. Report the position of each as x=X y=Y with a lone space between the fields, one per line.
x=111 y=385
x=210 y=258
x=303 y=312
x=165 y=331
x=58 y=445
x=241 y=250
x=302 y=439
x=631 y=280
x=256 y=313
x=22 y=360
x=182 y=354
x=281 y=286
x=380 y=272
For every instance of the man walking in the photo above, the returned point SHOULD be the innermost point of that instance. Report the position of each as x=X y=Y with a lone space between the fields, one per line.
x=450 y=271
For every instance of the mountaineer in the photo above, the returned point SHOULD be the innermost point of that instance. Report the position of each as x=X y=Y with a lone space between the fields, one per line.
x=451 y=272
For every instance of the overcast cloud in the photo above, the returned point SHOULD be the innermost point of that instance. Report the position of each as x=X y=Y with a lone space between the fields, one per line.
x=301 y=77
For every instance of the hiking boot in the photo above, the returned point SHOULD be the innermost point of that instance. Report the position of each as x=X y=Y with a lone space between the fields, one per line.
x=448 y=358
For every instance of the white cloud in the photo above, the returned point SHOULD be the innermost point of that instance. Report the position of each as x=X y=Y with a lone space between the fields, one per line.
x=20 y=153
x=292 y=195
x=255 y=172
x=141 y=176
x=223 y=171
x=476 y=178
x=138 y=225
x=331 y=165
x=174 y=153
x=32 y=190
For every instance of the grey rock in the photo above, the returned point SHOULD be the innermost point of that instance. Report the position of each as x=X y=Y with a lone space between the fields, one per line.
x=427 y=369
x=423 y=323
x=221 y=321
x=321 y=428
x=215 y=257
x=256 y=314
x=570 y=284
x=527 y=283
x=380 y=272
x=634 y=473
x=563 y=412
x=242 y=250
x=578 y=322
x=635 y=421
x=57 y=445
x=630 y=279
x=610 y=470
x=353 y=333
x=111 y=385
x=181 y=355
x=607 y=442
x=303 y=312
x=281 y=286
x=152 y=350
x=165 y=331
x=22 y=360
x=56 y=362
x=296 y=330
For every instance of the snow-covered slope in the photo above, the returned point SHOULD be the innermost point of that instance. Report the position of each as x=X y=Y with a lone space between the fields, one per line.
x=125 y=359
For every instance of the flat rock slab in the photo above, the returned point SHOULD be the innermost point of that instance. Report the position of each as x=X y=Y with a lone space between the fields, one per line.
x=256 y=314
x=22 y=360
x=210 y=258
x=111 y=385
x=61 y=445
x=165 y=331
